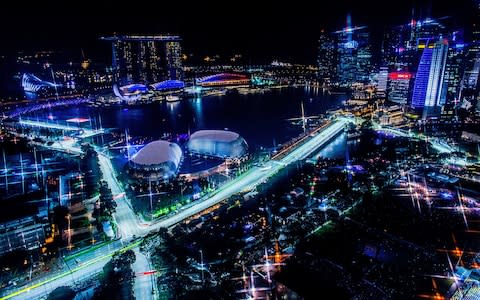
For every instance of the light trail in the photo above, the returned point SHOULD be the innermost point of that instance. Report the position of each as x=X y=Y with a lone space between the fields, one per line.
x=74 y=270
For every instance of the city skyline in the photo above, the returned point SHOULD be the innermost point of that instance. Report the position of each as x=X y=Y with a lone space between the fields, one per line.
x=240 y=151
x=210 y=29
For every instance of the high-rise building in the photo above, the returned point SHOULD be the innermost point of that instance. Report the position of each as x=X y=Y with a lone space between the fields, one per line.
x=472 y=69
x=399 y=87
x=326 y=57
x=382 y=80
x=398 y=48
x=402 y=45
x=145 y=59
x=430 y=88
x=353 y=54
x=173 y=53
x=364 y=57
x=455 y=67
x=427 y=29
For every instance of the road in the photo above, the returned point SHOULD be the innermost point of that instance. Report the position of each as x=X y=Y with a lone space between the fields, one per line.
x=254 y=176
x=145 y=280
x=130 y=224
x=127 y=221
x=73 y=272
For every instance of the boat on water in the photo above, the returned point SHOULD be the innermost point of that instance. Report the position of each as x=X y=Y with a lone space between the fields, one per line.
x=172 y=98
x=216 y=93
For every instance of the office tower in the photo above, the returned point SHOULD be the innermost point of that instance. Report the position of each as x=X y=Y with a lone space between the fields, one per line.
x=402 y=45
x=430 y=88
x=173 y=53
x=326 y=57
x=472 y=68
x=399 y=87
x=428 y=29
x=382 y=82
x=364 y=57
x=346 y=53
x=398 y=48
x=455 y=67
x=145 y=59
x=354 y=55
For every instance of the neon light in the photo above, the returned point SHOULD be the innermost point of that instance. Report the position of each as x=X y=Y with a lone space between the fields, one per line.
x=168 y=84
x=32 y=83
x=399 y=75
x=133 y=89
x=224 y=79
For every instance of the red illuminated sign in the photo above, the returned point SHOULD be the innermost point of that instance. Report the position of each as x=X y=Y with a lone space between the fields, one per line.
x=399 y=75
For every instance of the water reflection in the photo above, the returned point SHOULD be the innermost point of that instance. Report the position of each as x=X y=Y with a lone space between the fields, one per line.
x=259 y=118
x=197 y=107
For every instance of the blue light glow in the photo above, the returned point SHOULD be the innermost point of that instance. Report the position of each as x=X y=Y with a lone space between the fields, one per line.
x=168 y=85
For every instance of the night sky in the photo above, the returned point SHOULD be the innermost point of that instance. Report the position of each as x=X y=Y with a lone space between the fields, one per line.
x=260 y=30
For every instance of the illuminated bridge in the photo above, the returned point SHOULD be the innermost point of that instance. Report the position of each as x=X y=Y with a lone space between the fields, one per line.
x=47 y=105
x=223 y=79
x=85 y=132
x=168 y=85
x=32 y=83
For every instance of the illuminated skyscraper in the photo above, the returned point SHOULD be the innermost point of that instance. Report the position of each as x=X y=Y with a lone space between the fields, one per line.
x=430 y=88
x=398 y=48
x=455 y=67
x=399 y=87
x=354 y=55
x=173 y=52
x=382 y=82
x=145 y=59
x=472 y=71
x=326 y=57
x=402 y=45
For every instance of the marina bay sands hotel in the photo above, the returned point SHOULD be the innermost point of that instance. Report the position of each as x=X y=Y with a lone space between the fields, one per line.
x=145 y=59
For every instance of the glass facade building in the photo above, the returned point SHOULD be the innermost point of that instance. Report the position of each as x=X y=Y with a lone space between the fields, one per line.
x=430 y=88
x=326 y=57
x=399 y=87
x=146 y=59
x=354 y=55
